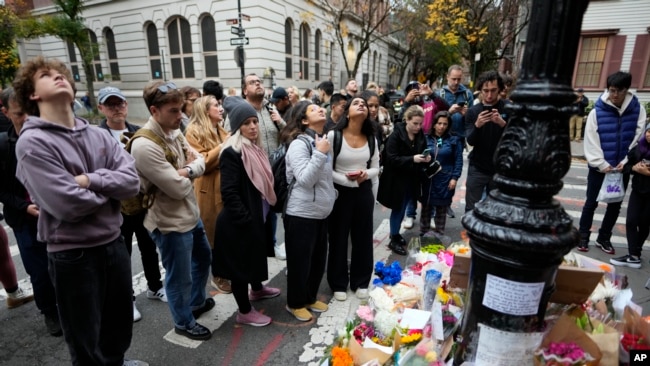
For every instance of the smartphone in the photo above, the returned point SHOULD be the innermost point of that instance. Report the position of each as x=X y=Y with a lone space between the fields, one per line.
x=461 y=104
x=488 y=108
x=426 y=152
x=353 y=175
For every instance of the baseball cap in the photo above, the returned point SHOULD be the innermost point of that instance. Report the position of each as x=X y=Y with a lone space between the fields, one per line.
x=278 y=94
x=109 y=91
x=411 y=85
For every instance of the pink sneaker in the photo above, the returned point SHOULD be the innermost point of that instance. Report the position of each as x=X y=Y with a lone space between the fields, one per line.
x=254 y=318
x=264 y=293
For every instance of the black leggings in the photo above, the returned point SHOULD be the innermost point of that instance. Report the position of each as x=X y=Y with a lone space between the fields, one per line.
x=240 y=292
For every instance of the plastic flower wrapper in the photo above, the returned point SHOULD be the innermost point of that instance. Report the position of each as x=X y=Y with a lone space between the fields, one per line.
x=635 y=334
x=451 y=308
x=425 y=353
x=432 y=280
x=387 y=275
x=460 y=247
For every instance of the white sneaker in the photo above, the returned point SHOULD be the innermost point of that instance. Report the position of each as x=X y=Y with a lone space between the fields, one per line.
x=161 y=295
x=136 y=313
x=432 y=224
x=340 y=296
x=18 y=297
x=362 y=293
x=280 y=252
x=408 y=223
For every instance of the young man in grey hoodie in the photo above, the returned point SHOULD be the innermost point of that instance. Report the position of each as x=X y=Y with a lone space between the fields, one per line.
x=76 y=175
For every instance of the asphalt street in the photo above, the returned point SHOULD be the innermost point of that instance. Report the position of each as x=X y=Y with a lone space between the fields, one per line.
x=24 y=340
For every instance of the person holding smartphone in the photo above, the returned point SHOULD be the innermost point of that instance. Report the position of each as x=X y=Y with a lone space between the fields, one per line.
x=406 y=154
x=484 y=125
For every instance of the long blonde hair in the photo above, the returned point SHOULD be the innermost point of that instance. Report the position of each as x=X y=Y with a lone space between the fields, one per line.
x=200 y=127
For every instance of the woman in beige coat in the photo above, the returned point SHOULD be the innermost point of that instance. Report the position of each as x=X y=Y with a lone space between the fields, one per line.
x=205 y=134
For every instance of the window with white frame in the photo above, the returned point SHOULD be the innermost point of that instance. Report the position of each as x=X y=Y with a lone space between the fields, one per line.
x=288 y=49
x=109 y=40
x=155 y=62
x=180 y=49
x=209 y=44
x=304 y=51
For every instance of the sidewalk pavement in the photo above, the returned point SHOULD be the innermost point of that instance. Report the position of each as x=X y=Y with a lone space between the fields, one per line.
x=577 y=150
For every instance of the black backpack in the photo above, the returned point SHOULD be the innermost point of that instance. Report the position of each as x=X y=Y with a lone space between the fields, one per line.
x=281 y=187
x=338 y=142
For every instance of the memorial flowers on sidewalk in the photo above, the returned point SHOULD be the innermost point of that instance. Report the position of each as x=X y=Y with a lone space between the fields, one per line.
x=387 y=275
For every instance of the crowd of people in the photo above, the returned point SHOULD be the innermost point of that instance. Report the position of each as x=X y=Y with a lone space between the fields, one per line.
x=208 y=201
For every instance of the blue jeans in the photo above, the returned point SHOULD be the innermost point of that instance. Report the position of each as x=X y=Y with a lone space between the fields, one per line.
x=397 y=215
x=186 y=258
x=93 y=290
x=594 y=181
x=34 y=256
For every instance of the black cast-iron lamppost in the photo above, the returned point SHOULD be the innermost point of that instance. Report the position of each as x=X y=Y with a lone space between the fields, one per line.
x=519 y=233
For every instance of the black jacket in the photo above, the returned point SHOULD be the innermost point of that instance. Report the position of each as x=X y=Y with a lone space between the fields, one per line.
x=244 y=239
x=13 y=194
x=485 y=139
x=400 y=172
x=129 y=126
x=640 y=182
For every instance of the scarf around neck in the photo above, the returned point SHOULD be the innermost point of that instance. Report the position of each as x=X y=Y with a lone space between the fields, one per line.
x=258 y=169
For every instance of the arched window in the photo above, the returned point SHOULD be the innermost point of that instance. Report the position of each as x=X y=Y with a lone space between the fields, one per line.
x=304 y=51
x=180 y=49
x=209 y=44
x=109 y=39
x=288 y=46
x=154 y=52
x=97 y=65
x=317 y=46
x=74 y=64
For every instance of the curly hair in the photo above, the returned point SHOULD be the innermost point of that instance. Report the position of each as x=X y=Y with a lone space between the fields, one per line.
x=24 y=85
x=200 y=126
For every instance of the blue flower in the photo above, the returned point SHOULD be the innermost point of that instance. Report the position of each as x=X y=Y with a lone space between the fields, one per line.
x=387 y=275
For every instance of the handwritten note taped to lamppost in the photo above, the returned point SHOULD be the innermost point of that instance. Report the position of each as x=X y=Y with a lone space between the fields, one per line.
x=510 y=297
x=496 y=347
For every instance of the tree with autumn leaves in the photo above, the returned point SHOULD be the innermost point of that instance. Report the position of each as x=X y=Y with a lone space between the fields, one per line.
x=67 y=24
x=488 y=27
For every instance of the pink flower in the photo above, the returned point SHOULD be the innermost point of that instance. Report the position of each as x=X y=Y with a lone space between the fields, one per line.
x=365 y=313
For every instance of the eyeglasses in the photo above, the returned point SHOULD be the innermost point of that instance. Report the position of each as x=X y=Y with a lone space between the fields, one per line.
x=254 y=81
x=617 y=91
x=165 y=88
x=118 y=105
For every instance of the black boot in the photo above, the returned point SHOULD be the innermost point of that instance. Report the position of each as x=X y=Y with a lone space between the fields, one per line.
x=397 y=244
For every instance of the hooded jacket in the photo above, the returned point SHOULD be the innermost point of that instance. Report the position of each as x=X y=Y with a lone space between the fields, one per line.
x=611 y=132
x=49 y=157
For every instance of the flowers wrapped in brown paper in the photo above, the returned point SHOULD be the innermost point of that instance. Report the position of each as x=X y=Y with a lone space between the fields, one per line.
x=635 y=334
x=362 y=355
x=565 y=330
x=607 y=342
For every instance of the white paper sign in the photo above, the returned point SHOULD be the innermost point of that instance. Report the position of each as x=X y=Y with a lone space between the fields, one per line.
x=414 y=318
x=496 y=347
x=510 y=297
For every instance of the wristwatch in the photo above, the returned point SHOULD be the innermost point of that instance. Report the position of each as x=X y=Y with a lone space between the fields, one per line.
x=190 y=172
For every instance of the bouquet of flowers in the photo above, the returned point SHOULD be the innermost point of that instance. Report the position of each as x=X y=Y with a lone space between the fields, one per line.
x=562 y=354
x=567 y=345
x=425 y=353
x=387 y=275
x=371 y=335
x=635 y=334
x=451 y=308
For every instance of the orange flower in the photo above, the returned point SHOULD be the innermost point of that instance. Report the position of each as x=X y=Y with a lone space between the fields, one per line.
x=341 y=357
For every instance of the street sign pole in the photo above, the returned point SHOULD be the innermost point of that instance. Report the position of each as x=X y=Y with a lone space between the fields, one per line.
x=240 y=49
